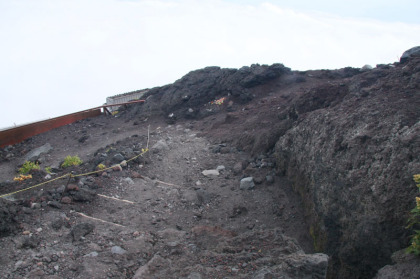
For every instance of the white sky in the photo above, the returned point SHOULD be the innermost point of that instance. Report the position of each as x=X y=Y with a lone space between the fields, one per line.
x=62 y=56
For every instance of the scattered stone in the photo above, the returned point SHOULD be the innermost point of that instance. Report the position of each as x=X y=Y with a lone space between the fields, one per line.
x=30 y=242
x=203 y=196
x=57 y=223
x=92 y=254
x=81 y=230
x=83 y=195
x=159 y=146
x=117 y=158
x=220 y=168
x=210 y=173
x=34 y=154
x=118 y=250
x=366 y=67
x=35 y=205
x=54 y=204
x=135 y=174
x=83 y=138
x=247 y=183
x=66 y=200
x=128 y=180
x=123 y=163
x=237 y=168
x=26 y=232
x=60 y=189
x=117 y=168
x=258 y=180
x=269 y=179
x=72 y=187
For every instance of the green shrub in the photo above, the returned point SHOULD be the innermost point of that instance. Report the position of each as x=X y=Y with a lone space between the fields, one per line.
x=414 y=222
x=101 y=167
x=28 y=166
x=71 y=161
x=48 y=170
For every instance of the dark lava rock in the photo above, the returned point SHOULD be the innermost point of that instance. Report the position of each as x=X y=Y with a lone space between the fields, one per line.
x=187 y=96
x=83 y=195
x=29 y=242
x=55 y=204
x=8 y=222
x=83 y=138
x=411 y=53
x=81 y=230
x=352 y=157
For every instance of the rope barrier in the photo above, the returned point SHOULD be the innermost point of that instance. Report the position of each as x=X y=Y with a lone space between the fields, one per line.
x=70 y=175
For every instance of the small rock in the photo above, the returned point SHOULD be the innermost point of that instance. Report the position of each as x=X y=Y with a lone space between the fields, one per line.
x=210 y=173
x=54 y=204
x=118 y=250
x=258 y=180
x=238 y=167
x=66 y=200
x=203 y=196
x=92 y=254
x=83 y=195
x=57 y=223
x=72 y=187
x=128 y=180
x=35 y=205
x=247 y=183
x=135 y=174
x=118 y=158
x=81 y=230
x=117 y=168
x=30 y=242
x=123 y=164
x=61 y=189
x=220 y=168
x=269 y=179
x=159 y=146
x=26 y=232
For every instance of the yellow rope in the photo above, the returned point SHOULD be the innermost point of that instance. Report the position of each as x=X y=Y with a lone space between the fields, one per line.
x=72 y=175
x=40 y=184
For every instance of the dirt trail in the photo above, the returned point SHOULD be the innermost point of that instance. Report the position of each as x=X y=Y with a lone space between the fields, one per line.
x=164 y=210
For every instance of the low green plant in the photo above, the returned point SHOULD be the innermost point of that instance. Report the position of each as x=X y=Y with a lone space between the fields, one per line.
x=48 y=170
x=101 y=166
x=71 y=161
x=28 y=166
x=414 y=222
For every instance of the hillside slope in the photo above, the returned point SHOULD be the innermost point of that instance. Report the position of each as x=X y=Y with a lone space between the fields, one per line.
x=348 y=139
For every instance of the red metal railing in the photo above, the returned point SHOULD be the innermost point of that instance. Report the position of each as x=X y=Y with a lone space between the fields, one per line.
x=17 y=134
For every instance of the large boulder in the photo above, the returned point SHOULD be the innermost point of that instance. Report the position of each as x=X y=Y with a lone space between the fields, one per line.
x=412 y=52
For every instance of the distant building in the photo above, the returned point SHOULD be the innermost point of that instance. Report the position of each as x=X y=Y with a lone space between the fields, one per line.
x=124 y=98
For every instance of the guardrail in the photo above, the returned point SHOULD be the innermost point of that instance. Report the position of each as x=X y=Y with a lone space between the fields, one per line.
x=20 y=133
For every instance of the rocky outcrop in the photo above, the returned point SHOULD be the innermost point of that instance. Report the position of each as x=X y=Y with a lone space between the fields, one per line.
x=351 y=154
x=185 y=98
x=404 y=266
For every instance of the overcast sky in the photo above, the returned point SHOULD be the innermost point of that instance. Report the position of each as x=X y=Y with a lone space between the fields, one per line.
x=58 y=57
